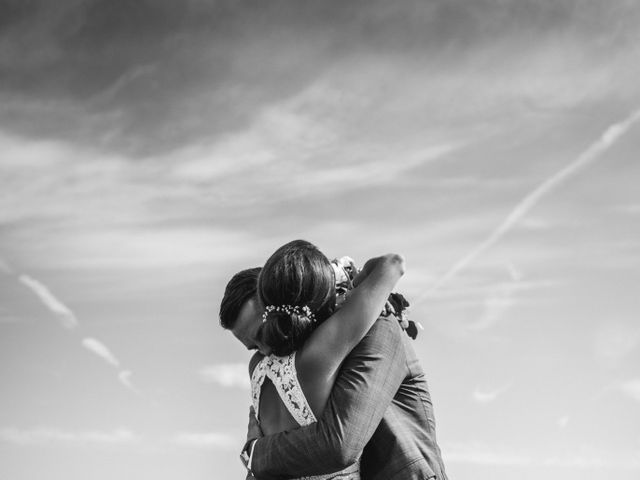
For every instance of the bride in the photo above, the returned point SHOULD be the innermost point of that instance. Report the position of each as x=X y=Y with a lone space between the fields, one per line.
x=304 y=338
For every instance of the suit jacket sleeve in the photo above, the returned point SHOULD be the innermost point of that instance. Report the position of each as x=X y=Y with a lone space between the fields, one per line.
x=365 y=387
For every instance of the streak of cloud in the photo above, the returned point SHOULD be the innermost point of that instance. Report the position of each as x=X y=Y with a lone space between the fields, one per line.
x=65 y=315
x=632 y=209
x=595 y=151
x=482 y=454
x=98 y=348
x=516 y=275
x=631 y=388
x=595 y=459
x=207 y=440
x=481 y=396
x=479 y=453
x=125 y=378
x=614 y=341
x=563 y=421
x=496 y=304
x=230 y=375
x=223 y=51
x=39 y=436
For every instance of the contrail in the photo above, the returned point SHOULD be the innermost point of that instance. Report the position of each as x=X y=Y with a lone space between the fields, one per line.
x=66 y=316
x=70 y=322
x=606 y=140
x=125 y=378
x=100 y=350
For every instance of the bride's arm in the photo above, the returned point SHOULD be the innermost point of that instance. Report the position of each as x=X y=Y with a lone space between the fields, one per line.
x=331 y=342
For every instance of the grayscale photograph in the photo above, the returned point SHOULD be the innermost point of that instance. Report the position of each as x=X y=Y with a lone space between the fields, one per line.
x=317 y=239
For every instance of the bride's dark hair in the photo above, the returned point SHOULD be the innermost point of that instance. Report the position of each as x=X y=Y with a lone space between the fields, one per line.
x=296 y=275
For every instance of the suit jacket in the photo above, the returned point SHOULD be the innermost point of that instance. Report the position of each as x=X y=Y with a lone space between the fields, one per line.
x=379 y=406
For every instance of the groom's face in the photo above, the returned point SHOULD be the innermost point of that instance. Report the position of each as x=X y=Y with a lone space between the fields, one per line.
x=247 y=326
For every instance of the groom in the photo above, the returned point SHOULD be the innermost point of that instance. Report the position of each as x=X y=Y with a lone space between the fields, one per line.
x=380 y=406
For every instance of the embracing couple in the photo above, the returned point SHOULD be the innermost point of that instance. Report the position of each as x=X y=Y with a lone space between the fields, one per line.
x=337 y=393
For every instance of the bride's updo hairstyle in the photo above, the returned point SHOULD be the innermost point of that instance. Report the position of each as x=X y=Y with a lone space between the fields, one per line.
x=297 y=288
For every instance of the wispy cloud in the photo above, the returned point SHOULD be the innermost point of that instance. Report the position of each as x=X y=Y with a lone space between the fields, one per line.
x=615 y=340
x=226 y=375
x=98 y=348
x=65 y=315
x=584 y=457
x=38 y=436
x=125 y=378
x=563 y=421
x=206 y=440
x=514 y=272
x=631 y=209
x=482 y=454
x=594 y=459
x=499 y=301
x=488 y=396
x=631 y=388
x=595 y=151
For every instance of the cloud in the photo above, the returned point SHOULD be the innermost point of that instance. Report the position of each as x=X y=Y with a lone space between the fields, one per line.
x=499 y=301
x=482 y=454
x=563 y=421
x=230 y=375
x=140 y=247
x=98 y=348
x=112 y=77
x=614 y=341
x=594 y=459
x=530 y=223
x=594 y=152
x=40 y=436
x=516 y=275
x=124 y=377
x=318 y=152
x=65 y=315
x=631 y=388
x=484 y=396
x=584 y=457
x=631 y=209
x=210 y=440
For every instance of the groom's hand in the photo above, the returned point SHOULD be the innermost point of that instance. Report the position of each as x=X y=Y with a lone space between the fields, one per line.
x=253 y=429
x=253 y=433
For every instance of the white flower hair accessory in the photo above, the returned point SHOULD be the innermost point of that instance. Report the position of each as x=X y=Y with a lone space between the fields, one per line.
x=303 y=311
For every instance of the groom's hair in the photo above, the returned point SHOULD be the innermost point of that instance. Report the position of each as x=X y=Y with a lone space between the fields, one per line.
x=241 y=288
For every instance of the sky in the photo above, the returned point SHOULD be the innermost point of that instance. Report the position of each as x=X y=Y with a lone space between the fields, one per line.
x=149 y=150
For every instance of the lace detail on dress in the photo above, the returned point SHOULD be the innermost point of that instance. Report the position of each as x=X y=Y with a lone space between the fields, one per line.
x=282 y=372
x=257 y=379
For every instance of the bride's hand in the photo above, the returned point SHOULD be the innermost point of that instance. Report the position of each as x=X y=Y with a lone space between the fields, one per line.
x=393 y=260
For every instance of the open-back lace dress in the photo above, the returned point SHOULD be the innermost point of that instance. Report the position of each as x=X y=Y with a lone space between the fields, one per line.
x=282 y=373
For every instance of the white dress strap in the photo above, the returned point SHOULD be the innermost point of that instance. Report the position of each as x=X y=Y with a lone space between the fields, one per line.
x=282 y=373
x=257 y=379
